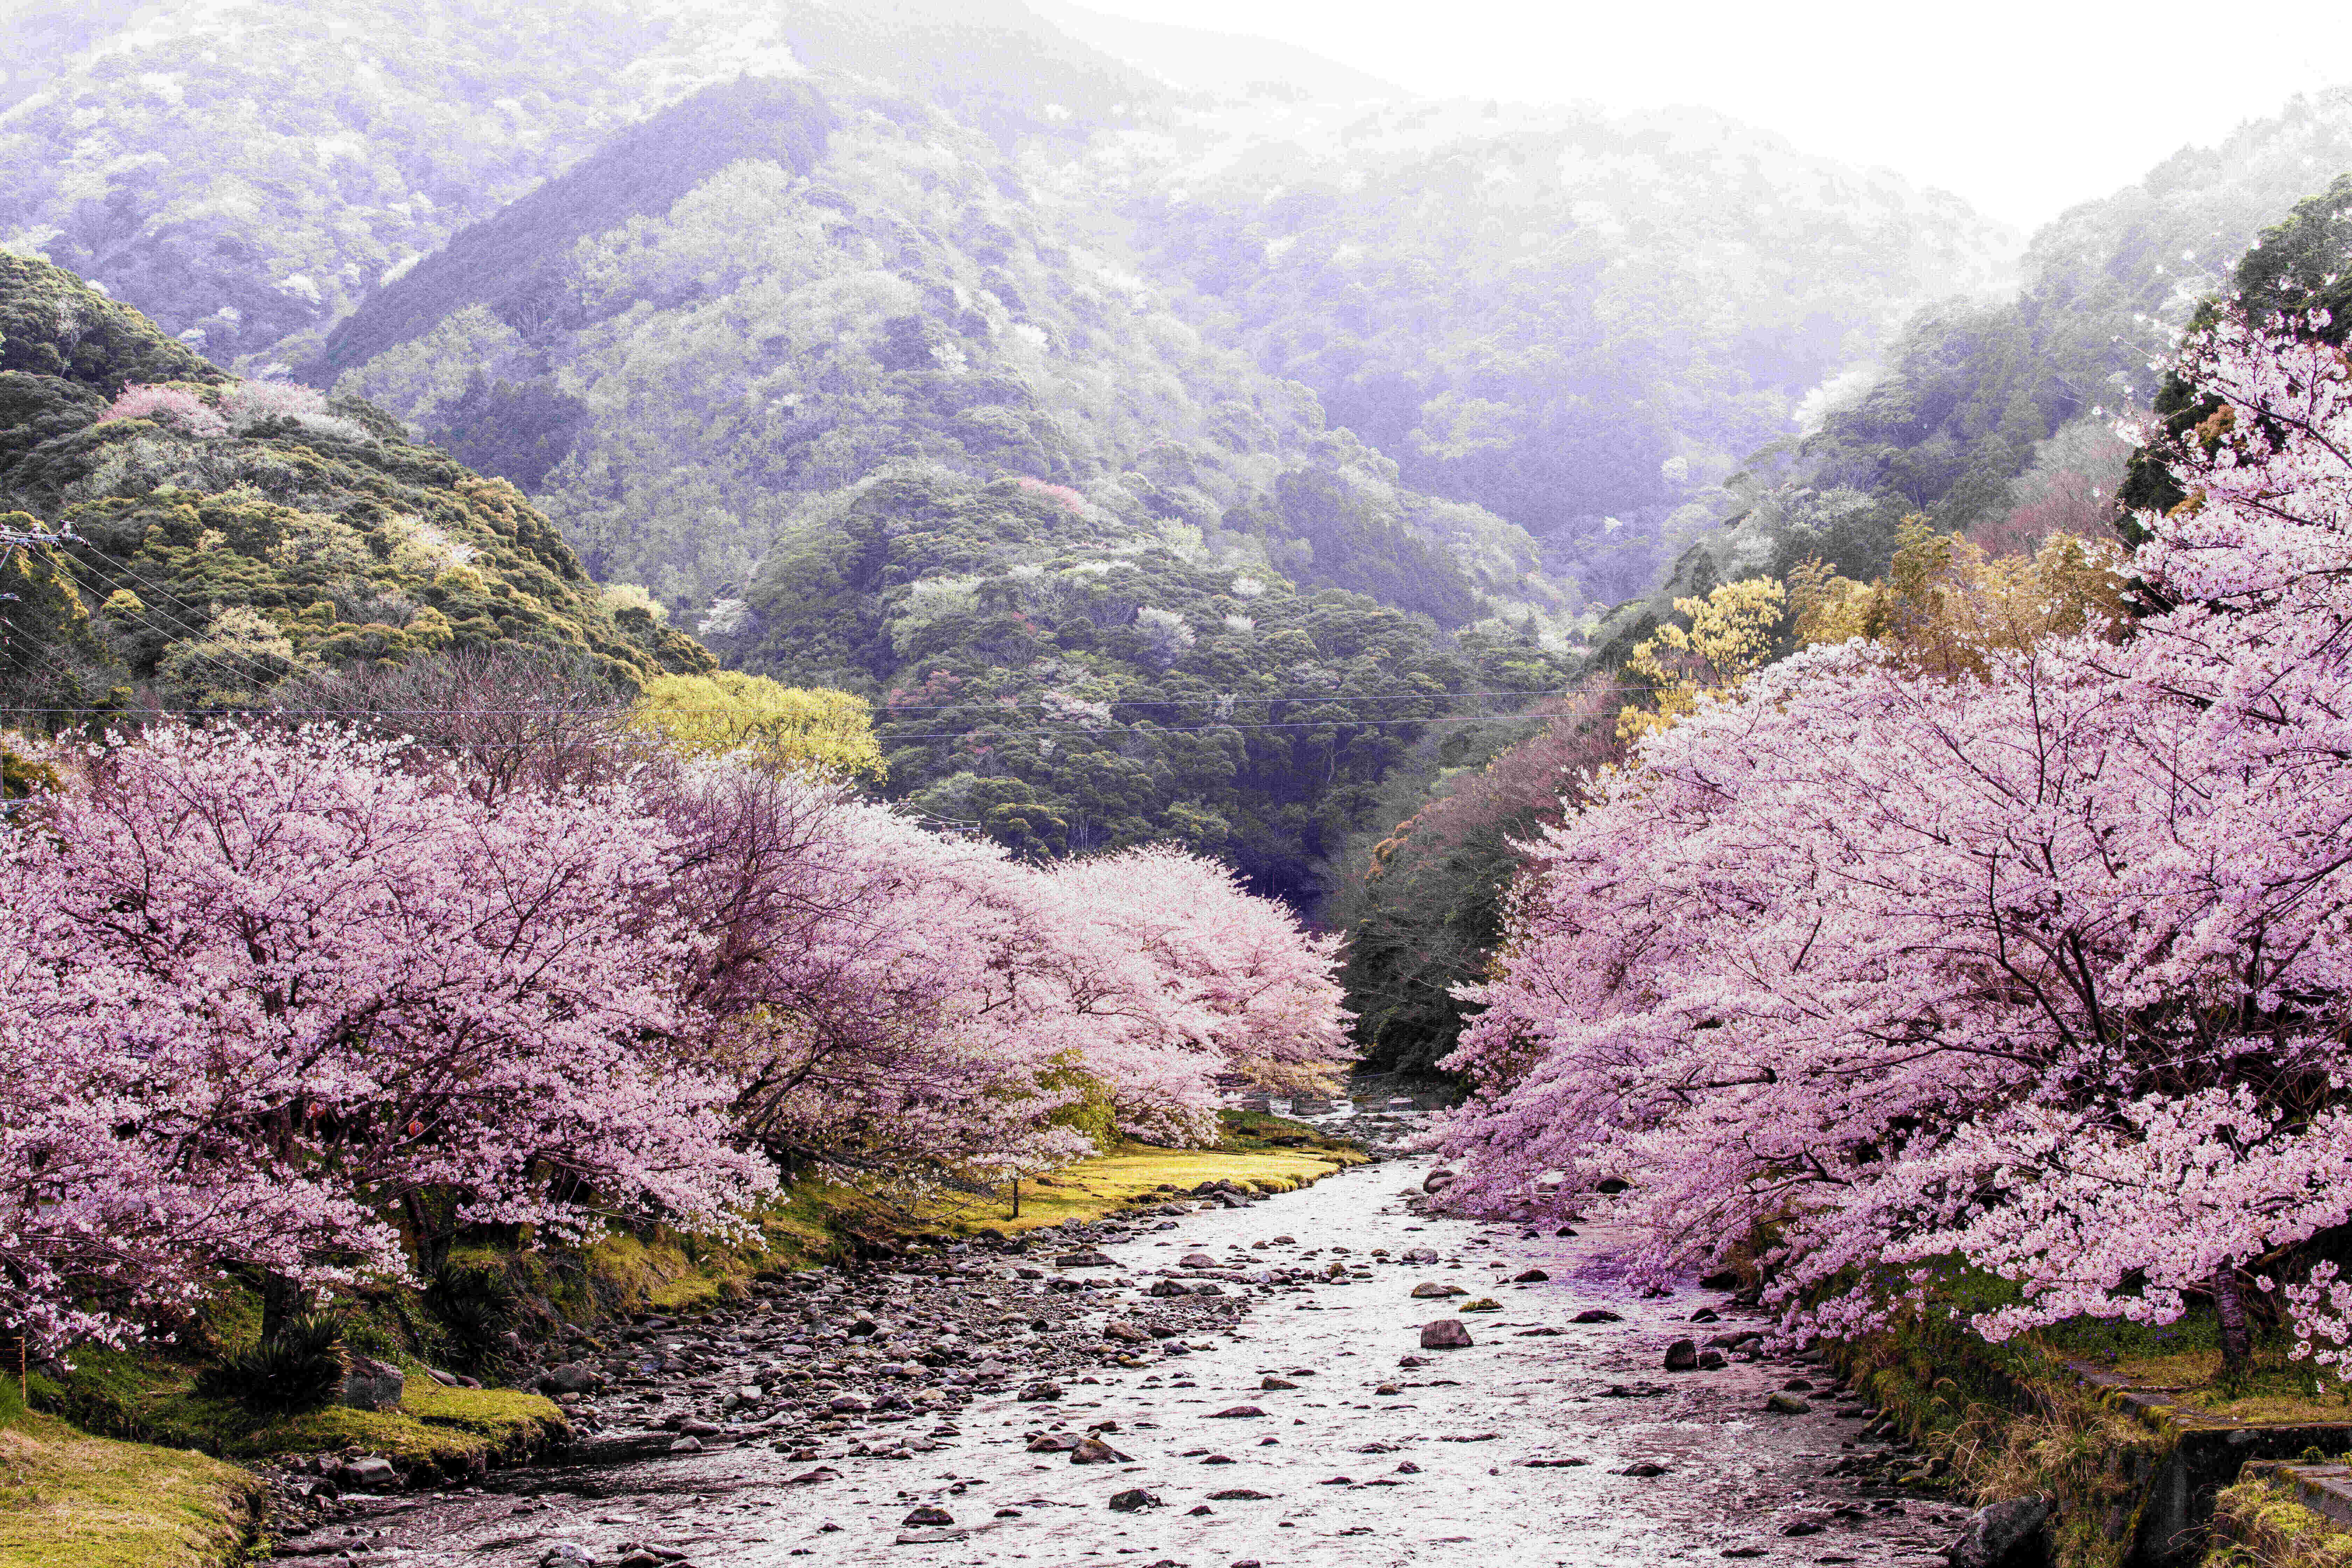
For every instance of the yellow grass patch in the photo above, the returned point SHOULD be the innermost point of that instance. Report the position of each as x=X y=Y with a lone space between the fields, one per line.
x=71 y=1500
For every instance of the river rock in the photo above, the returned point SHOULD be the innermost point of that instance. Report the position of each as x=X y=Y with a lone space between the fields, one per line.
x=1597 y=1315
x=1437 y=1181
x=368 y=1473
x=1135 y=1499
x=1445 y=1334
x=1236 y=1413
x=928 y=1516
x=1093 y=1450
x=571 y=1377
x=1196 y=1261
x=1483 y=1304
x=1271 y=1383
x=371 y=1384
x=2002 y=1534
x=1127 y=1332
x=1430 y=1291
x=1529 y=1276
x=1087 y=1259
x=1711 y=1361
x=1418 y=1255
x=1682 y=1356
x=1787 y=1405
x=1041 y=1391
x=1054 y=1443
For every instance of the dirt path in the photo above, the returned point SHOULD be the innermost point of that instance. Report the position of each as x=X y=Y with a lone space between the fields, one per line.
x=1513 y=1450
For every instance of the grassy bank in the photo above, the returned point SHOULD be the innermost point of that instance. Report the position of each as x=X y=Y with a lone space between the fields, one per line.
x=71 y=1500
x=2261 y=1522
x=148 y=1488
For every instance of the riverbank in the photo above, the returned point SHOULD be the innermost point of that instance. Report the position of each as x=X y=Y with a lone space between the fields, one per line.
x=1208 y=1386
x=122 y=1451
x=71 y=1500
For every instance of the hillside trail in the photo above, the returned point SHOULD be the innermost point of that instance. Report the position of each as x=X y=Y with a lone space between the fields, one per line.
x=1545 y=1442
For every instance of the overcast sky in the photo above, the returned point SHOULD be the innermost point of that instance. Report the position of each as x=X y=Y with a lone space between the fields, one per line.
x=2023 y=107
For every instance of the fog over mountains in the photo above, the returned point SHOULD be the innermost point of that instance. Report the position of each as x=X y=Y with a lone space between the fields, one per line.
x=1019 y=354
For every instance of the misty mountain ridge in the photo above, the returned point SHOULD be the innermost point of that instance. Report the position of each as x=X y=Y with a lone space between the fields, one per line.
x=1037 y=361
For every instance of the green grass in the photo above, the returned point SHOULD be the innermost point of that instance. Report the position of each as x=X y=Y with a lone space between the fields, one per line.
x=152 y=1398
x=71 y=1500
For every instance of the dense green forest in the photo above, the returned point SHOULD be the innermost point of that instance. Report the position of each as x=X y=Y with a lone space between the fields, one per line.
x=225 y=536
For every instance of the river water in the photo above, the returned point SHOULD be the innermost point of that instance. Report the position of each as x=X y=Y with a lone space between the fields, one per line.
x=1511 y=1450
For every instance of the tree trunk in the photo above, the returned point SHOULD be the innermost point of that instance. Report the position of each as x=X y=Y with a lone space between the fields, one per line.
x=2230 y=1308
x=281 y=1300
x=1016 y=1198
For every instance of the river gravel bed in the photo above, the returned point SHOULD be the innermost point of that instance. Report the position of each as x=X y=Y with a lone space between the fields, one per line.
x=1545 y=1441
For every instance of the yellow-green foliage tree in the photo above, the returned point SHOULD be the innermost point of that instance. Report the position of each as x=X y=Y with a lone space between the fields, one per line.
x=1944 y=603
x=781 y=726
x=1731 y=635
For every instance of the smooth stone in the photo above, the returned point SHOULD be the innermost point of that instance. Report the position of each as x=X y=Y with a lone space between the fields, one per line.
x=1445 y=1334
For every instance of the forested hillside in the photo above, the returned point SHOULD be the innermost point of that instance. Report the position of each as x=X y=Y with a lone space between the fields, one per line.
x=227 y=534
x=1580 y=323
x=1972 y=394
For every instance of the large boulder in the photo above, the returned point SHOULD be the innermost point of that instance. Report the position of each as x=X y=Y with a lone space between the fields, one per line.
x=371 y=1384
x=1445 y=1334
x=2004 y=1535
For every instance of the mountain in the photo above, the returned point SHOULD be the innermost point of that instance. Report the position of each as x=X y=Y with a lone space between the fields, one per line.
x=1972 y=392
x=1581 y=322
x=226 y=534
x=955 y=355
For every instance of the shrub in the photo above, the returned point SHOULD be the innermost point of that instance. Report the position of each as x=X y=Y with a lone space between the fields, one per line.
x=298 y=1368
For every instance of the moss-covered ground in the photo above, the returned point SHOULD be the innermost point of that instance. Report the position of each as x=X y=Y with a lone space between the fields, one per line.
x=1265 y=1154
x=2258 y=1523
x=71 y=1500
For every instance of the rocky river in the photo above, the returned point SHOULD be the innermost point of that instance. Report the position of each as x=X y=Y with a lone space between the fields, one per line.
x=1209 y=1383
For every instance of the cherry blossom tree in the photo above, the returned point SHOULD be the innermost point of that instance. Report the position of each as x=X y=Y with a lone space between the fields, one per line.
x=272 y=992
x=2040 y=964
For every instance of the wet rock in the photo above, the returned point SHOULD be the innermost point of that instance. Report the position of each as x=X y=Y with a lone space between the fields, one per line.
x=1432 y=1291
x=1418 y=1255
x=1054 y=1443
x=928 y=1516
x=1127 y=1332
x=1711 y=1361
x=1597 y=1315
x=1239 y=1494
x=1196 y=1261
x=2002 y=1535
x=1529 y=1276
x=1645 y=1468
x=1682 y=1356
x=370 y=1473
x=1236 y=1413
x=1135 y=1499
x=687 y=1445
x=371 y=1384
x=1040 y=1391
x=1410 y=1362
x=1437 y=1181
x=1095 y=1451
x=1271 y=1383
x=1387 y=1388
x=1445 y=1334
x=1483 y=1304
x=1721 y=1279
x=571 y=1377
x=1787 y=1405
